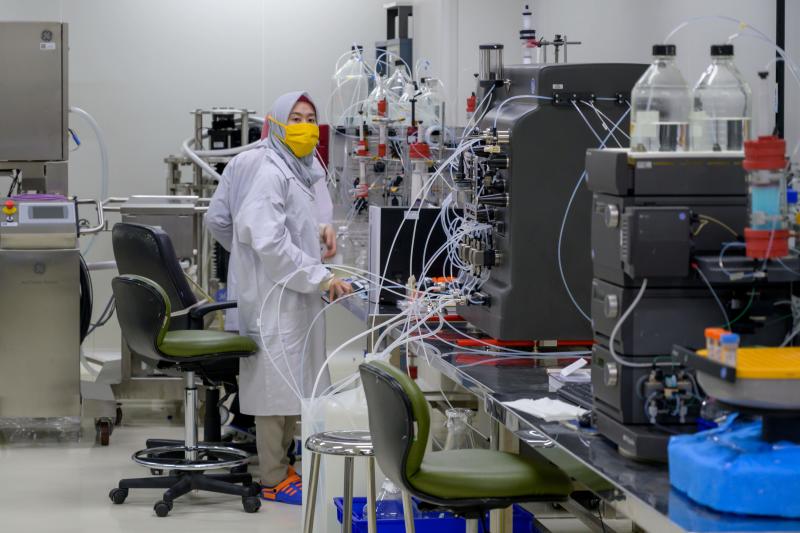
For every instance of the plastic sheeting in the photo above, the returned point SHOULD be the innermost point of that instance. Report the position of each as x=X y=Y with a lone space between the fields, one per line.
x=731 y=469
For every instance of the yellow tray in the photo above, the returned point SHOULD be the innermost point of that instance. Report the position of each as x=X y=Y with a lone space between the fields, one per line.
x=766 y=363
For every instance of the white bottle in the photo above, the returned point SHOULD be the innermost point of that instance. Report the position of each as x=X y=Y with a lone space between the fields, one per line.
x=722 y=111
x=660 y=105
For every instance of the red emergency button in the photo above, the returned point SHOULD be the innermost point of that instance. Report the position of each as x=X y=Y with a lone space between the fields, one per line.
x=9 y=208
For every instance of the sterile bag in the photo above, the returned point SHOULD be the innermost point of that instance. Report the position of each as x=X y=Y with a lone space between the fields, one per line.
x=732 y=469
x=342 y=411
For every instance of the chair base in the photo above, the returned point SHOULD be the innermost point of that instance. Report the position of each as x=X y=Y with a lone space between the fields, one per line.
x=179 y=483
x=249 y=447
x=196 y=459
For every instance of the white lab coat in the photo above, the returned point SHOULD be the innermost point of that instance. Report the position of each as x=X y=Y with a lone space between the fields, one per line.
x=275 y=234
x=231 y=191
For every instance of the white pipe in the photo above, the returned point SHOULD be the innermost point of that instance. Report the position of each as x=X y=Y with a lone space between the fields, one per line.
x=101 y=142
x=104 y=167
x=191 y=154
x=226 y=151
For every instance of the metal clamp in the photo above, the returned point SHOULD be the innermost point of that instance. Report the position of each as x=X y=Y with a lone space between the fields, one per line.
x=534 y=438
x=101 y=222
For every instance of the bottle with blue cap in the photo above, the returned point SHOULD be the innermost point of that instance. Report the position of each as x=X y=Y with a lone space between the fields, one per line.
x=728 y=346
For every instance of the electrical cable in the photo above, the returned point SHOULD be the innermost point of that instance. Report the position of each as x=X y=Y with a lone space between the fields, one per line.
x=714 y=294
x=612 y=350
x=559 y=257
x=86 y=299
x=718 y=222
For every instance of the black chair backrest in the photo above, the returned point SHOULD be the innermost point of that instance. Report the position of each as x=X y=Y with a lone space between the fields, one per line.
x=391 y=423
x=143 y=314
x=147 y=251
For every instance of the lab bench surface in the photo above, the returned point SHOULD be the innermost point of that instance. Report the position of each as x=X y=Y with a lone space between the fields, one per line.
x=640 y=491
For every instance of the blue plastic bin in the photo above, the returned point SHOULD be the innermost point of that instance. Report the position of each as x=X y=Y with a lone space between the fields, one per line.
x=428 y=522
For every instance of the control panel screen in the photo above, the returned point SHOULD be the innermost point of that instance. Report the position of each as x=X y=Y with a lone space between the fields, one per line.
x=38 y=212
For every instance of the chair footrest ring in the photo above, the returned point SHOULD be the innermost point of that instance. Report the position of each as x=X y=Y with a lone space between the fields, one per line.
x=206 y=458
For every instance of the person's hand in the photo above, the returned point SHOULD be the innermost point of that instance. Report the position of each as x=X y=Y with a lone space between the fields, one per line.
x=328 y=237
x=338 y=288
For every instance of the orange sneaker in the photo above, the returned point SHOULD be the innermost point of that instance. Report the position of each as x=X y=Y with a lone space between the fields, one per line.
x=290 y=490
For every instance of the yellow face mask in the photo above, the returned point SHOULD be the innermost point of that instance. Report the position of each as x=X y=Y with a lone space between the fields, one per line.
x=301 y=138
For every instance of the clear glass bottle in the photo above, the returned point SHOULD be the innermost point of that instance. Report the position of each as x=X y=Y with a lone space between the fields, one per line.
x=349 y=90
x=430 y=101
x=660 y=105
x=379 y=94
x=395 y=88
x=388 y=503
x=459 y=432
x=720 y=120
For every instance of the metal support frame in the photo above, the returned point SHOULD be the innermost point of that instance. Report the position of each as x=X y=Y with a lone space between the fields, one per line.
x=190 y=416
x=408 y=512
x=347 y=497
x=347 y=512
x=372 y=518
x=311 y=495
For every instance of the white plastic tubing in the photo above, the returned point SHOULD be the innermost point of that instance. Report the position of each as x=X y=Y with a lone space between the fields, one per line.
x=197 y=155
x=104 y=167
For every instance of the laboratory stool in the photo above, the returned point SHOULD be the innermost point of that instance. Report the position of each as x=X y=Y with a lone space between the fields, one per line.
x=148 y=251
x=143 y=310
x=348 y=444
x=469 y=483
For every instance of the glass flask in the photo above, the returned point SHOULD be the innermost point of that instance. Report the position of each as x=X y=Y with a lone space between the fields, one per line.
x=660 y=105
x=722 y=111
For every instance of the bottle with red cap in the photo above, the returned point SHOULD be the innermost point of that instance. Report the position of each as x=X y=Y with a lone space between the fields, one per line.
x=767 y=232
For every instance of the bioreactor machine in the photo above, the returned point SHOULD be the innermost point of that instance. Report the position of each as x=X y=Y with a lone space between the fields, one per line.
x=39 y=258
x=34 y=105
x=522 y=179
x=43 y=279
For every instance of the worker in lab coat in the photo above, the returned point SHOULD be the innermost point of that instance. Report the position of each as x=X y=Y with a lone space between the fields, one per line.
x=228 y=197
x=276 y=243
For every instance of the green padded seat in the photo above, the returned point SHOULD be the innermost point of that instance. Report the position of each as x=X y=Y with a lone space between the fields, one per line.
x=464 y=474
x=195 y=343
x=482 y=479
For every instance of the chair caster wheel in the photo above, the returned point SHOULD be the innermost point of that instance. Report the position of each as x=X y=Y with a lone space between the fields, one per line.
x=251 y=504
x=118 y=495
x=255 y=490
x=104 y=427
x=162 y=508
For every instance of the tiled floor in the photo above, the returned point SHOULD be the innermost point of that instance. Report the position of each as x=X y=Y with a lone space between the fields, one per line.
x=64 y=488
x=60 y=487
